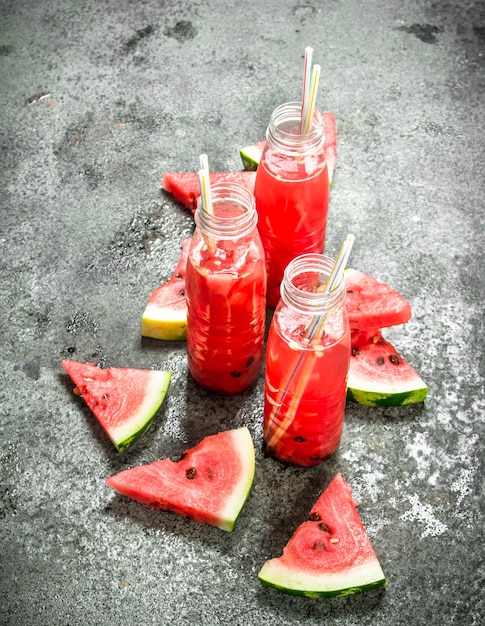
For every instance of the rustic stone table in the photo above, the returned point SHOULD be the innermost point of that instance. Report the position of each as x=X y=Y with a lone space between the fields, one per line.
x=98 y=99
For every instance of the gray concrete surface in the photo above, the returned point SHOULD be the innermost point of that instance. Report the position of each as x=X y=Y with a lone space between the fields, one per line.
x=98 y=99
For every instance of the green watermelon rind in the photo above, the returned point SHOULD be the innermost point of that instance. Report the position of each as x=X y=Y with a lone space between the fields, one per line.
x=352 y=580
x=367 y=397
x=138 y=423
x=244 y=445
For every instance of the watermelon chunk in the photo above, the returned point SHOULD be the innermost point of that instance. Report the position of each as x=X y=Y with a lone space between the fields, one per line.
x=209 y=484
x=251 y=155
x=184 y=186
x=371 y=304
x=165 y=314
x=330 y=554
x=378 y=374
x=123 y=400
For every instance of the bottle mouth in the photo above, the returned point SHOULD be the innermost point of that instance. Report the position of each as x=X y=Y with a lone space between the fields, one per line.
x=304 y=282
x=234 y=212
x=283 y=132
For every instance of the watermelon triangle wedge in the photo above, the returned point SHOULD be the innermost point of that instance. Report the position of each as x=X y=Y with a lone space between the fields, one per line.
x=251 y=155
x=209 y=484
x=165 y=314
x=123 y=400
x=379 y=375
x=373 y=304
x=330 y=554
x=184 y=186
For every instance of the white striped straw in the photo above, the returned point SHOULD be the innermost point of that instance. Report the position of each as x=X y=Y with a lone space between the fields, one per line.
x=312 y=98
x=204 y=183
x=316 y=327
x=306 y=92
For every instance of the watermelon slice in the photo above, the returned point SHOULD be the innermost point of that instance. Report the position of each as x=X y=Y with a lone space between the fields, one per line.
x=209 y=484
x=371 y=304
x=184 y=186
x=165 y=314
x=123 y=400
x=330 y=554
x=251 y=155
x=378 y=374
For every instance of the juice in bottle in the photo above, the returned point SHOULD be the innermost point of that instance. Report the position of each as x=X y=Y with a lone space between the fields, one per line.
x=306 y=373
x=292 y=193
x=226 y=287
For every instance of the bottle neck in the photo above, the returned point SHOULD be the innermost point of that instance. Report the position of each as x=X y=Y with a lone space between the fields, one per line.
x=283 y=132
x=233 y=212
x=303 y=285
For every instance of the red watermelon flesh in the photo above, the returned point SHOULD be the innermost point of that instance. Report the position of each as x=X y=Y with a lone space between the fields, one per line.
x=251 y=155
x=184 y=186
x=123 y=400
x=209 y=484
x=330 y=554
x=165 y=314
x=372 y=304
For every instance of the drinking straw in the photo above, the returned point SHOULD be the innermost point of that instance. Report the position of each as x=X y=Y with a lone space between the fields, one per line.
x=305 y=96
x=311 y=75
x=315 y=329
x=307 y=114
x=205 y=194
x=204 y=183
x=313 y=97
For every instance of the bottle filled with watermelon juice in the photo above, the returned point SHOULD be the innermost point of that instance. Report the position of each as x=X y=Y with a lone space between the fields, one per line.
x=226 y=293
x=292 y=192
x=307 y=362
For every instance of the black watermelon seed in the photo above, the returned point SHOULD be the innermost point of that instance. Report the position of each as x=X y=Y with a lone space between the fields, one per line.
x=299 y=439
x=314 y=517
x=380 y=360
x=190 y=473
x=250 y=361
x=395 y=360
x=235 y=374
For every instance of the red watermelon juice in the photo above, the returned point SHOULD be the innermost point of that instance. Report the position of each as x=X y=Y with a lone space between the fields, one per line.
x=292 y=193
x=306 y=375
x=226 y=288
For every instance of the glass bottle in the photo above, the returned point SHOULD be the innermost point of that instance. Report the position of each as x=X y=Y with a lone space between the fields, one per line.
x=307 y=362
x=226 y=289
x=292 y=192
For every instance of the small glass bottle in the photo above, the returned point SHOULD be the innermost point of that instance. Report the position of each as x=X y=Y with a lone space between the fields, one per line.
x=226 y=293
x=292 y=192
x=307 y=362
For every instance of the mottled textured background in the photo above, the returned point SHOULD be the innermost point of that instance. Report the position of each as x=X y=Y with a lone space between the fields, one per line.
x=98 y=99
